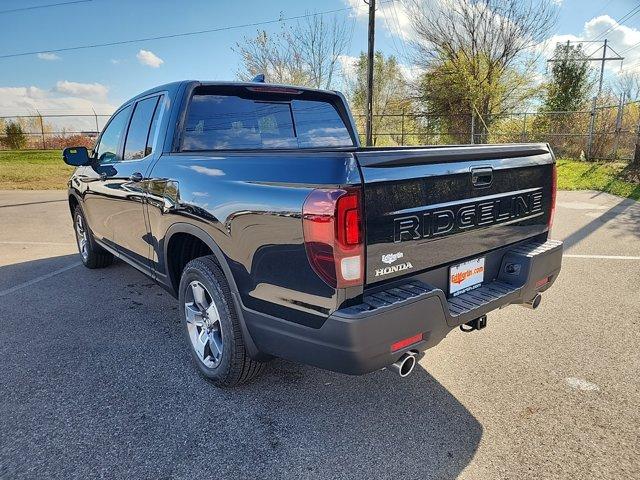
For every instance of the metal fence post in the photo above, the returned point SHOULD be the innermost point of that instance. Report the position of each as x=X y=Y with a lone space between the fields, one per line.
x=618 y=129
x=524 y=128
x=636 y=154
x=592 y=123
x=44 y=143
x=473 y=127
x=95 y=115
x=402 y=129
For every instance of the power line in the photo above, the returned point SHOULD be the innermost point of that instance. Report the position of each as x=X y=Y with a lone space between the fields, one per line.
x=391 y=31
x=603 y=8
x=632 y=65
x=37 y=7
x=396 y=17
x=631 y=13
x=176 y=35
x=630 y=48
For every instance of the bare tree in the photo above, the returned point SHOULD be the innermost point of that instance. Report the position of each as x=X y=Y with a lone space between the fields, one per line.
x=482 y=50
x=305 y=53
x=274 y=56
x=628 y=84
x=320 y=44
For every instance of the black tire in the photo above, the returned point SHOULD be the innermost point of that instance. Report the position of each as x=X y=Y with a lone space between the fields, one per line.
x=234 y=366
x=95 y=256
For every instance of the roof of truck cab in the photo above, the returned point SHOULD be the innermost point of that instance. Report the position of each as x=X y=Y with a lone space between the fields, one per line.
x=173 y=87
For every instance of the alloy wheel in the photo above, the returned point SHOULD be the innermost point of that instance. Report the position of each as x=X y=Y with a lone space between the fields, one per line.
x=203 y=324
x=82 y=238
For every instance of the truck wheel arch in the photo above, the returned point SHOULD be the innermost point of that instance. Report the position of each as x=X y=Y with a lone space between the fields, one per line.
x=189 y=229
x=204 y=237
x=73 y=202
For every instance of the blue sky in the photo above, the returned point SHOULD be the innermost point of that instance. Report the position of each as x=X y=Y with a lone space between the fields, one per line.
x=104 y=77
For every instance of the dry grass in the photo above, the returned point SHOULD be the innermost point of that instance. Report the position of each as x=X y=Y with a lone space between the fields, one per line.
x=33 y=170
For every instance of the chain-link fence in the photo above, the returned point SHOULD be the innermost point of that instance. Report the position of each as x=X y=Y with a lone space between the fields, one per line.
x=603 y=132
x=50 y=131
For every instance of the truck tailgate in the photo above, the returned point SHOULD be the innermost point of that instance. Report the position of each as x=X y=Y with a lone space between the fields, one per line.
x=431 y=206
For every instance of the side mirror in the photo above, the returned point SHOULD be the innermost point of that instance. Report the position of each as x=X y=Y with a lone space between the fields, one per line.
x=76 y=156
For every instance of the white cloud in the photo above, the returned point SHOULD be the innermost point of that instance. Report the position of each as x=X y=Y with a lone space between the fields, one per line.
x=29 y=100
x=348 y=65
x=411 y=72
x=147 y=57
x=82 y=90
x=18 y=101
x=48 y=56
x=393 y=16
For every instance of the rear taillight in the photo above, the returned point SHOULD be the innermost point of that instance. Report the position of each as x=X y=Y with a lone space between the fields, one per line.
x=554 y=191
x=333 y=235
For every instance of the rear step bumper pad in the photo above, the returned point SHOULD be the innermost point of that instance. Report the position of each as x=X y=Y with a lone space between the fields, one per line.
x=357 y=339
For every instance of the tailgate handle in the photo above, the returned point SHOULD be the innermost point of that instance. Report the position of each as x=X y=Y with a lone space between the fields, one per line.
x=482 y=176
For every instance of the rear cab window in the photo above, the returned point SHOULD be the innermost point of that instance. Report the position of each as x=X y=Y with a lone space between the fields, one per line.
x=238 y=118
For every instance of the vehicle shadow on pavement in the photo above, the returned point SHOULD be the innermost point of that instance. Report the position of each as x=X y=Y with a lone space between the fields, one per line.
x=97 y=381
x=626 y=214
x=16 y=274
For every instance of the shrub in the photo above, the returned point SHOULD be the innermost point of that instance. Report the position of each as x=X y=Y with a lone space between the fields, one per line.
x=62 y=141
x=15 y=137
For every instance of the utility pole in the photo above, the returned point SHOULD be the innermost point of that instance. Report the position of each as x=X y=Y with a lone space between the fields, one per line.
x=602 y=59
x=370 y=55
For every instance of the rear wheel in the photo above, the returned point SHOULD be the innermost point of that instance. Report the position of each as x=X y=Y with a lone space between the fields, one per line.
x=92 y=254
x=212 y=327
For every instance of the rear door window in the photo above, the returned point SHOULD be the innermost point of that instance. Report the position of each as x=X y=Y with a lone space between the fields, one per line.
x=137 y=143
x=228 y=122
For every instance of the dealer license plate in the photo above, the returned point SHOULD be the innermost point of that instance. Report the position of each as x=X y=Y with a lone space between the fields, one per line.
x=466 y=276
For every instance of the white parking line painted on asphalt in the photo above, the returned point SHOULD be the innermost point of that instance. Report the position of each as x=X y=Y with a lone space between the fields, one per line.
x=605 y=257
x=39 y=279
x=37 y=243
x=580 y=384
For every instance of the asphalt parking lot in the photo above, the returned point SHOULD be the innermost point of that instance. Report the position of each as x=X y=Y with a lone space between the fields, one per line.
x=96 y=380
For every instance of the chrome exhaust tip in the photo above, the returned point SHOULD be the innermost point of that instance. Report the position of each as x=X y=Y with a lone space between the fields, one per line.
x=404 y=366
x=534 y=302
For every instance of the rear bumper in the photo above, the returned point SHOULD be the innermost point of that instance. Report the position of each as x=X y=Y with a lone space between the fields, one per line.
x=357 y=339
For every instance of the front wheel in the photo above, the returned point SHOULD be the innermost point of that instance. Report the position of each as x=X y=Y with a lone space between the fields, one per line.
x=212 y=327
x=92 y=254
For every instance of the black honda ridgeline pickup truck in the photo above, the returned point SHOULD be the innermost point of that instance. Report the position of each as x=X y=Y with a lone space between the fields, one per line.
x=255 y=205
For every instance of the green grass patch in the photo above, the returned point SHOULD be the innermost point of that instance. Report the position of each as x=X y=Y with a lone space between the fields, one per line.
x=616 y=178
x=33 y=170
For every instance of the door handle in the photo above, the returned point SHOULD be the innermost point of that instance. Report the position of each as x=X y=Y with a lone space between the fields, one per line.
x=135 y=177
x=482 y=177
